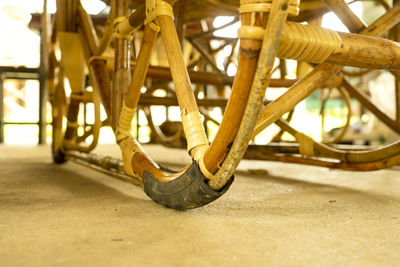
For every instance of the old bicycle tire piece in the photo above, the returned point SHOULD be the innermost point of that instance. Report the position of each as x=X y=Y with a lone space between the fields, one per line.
x=188 y=191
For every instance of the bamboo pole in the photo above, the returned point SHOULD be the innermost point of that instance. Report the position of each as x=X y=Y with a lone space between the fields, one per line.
x=269 y=50
x=141 y=66
x=248 y=56
x=183 y=88
x=384 y=23
x=105 y=164
x=386 y=53
x=172 y=101
x=187 y=102
x=122 y=75
x=60 y=16
x=342 y=10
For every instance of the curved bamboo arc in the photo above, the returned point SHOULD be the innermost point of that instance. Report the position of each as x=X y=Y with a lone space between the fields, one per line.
x=374 y=154
x=157 y=130
x=269 y=50
x=343 y=131
x=248 y=57
x=356 y=73
x=365 y=100
x=96 y=127
x=348 y=156
x=141 y=163
x=364 y=166
x=319 y=149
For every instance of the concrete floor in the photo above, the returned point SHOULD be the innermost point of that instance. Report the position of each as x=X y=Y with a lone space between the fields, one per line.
x=274 y=214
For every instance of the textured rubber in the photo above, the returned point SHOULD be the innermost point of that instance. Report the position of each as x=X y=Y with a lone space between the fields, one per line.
x=188 y=191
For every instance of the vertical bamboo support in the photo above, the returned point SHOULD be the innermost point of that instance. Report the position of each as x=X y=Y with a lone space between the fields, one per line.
x=58 y=112
x=140 y=70
x=60 y=16
x=45 y=72
x=195 y=134
x=42 y=90
x=72 y=59
x=72 y=117
x=179 y=73
x=122 y=72
x=396 y=37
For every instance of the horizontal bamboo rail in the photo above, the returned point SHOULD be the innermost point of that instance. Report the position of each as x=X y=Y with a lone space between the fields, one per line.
x=202 y=77
x=386 y=53
x=105 y=164
x=172 y=101
x=321 y=162
x=345 y=156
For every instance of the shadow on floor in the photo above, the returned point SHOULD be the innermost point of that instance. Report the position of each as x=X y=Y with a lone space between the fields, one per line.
x=48 y=182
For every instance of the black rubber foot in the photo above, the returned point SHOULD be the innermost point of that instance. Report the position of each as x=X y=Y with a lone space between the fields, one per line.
x=59 y=157
x=188 y=191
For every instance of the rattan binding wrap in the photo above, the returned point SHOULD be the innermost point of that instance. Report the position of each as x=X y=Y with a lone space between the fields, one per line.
x=301 y=42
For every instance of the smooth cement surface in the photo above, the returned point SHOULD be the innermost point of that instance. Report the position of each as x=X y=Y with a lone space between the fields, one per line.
x=273 y=215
